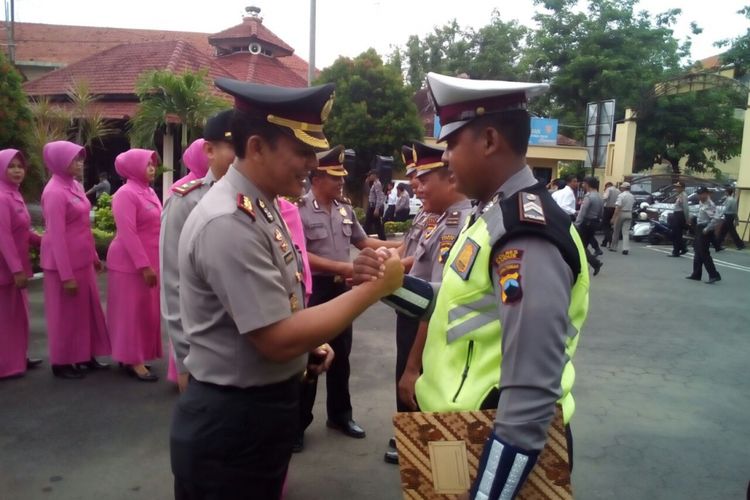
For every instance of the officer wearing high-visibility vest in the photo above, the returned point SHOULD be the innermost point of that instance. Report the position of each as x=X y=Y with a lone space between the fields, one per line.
x=504 y=326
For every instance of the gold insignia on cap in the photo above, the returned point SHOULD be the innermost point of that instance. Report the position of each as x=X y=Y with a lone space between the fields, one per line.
x=480 y=111
x=341 y=156
x=414 y=155
x=326 y=111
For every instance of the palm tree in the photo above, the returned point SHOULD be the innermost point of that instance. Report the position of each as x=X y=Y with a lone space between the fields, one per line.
x=165 y=96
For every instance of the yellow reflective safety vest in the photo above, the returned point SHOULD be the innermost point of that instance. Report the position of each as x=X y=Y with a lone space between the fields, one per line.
x=463 y=352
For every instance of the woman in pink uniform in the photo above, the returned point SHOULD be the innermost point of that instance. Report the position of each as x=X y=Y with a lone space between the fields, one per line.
x=75 y=320
x=196 y=161
x=133 y=263
x=15 y=268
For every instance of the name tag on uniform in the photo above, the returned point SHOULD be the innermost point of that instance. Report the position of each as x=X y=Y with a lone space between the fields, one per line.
x=348 y=221
x=288 y=257
x=465 y=258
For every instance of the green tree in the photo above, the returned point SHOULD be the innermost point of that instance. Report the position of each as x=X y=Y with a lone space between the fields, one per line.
x=186 y=96
x=700 y=127
x=373 y=112
x=608 y=51
x=15 y=116
x=738 y=54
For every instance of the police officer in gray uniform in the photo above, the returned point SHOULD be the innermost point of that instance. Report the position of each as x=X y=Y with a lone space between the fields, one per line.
x=241 y=300
x=704 y=229
x=218 y=147
x=439 y=196
x=331 y=228
x=588 y=220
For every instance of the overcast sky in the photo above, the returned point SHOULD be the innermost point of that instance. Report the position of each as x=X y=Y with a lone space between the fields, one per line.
x=348 y=27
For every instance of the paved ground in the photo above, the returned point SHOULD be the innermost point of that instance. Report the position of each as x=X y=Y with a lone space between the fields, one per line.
x=662 y=392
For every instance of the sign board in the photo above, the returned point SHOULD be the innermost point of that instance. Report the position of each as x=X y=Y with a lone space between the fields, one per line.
x=600 y=126
x=543 y=131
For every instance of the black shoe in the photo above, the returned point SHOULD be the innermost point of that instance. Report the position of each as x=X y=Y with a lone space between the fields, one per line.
x=67 y=372
x=32 y=363
x=599 y=252
x=720 y=249
x=683 y=251
x=391 y=457
x=93 y=364
x=625 y=252
x=146 y=377
x=597 y=268
x=350 y=428
x=392 y=443
x=713 y=280
x=694 y=278
x=673 y=255
x=299 y=443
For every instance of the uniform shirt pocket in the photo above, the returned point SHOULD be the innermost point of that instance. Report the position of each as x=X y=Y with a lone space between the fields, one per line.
x=316 y=232
x=346 y=229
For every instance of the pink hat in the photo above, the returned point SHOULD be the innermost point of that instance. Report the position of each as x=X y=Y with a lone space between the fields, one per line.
x=132 y=164
x=195 y=159
x=58 y=155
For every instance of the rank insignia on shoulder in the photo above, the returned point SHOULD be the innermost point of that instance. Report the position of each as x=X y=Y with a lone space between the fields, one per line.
x=184 y=189
x=265 y=210
x=245 y=204
x=453 y=219
x=465 y=258
x=530 y=208
x=510 y=287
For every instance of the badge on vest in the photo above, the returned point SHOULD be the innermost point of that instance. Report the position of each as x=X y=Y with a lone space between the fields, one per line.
x=245 y=204
x=510 y=287
x=530 y=208
x=464 y=261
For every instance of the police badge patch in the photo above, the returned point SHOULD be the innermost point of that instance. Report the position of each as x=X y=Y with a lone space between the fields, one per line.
x=530 y=208
x=465 y=258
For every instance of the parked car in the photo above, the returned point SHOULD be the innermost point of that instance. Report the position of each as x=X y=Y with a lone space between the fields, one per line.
x=415 y=204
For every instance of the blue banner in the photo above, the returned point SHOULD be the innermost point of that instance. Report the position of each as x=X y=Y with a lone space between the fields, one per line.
x=543 y=131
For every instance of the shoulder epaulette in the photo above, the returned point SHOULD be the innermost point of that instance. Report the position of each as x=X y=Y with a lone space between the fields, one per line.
x=453 y=219
x=530 y=208
x=245 y=204
x=184 y=189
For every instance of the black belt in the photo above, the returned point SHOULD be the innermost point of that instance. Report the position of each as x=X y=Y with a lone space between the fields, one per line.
x=254 y=390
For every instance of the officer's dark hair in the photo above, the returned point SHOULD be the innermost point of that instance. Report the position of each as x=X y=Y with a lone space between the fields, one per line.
x=592 y=181
x=608 y=184
x=103 y=176
x=514 y=126
x=561 y=183
x=244 y=125
x=569 y=178
x=401 y=187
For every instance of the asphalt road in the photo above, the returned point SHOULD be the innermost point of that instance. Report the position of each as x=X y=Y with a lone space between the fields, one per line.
x=662 y=395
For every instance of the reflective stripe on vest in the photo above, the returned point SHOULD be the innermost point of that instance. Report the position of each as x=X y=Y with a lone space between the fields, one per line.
x=462 y=354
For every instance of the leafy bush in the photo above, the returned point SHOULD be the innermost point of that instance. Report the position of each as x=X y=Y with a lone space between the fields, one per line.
x=397 y=227
x=360 y=213
x=103 y=218
x=102 y=239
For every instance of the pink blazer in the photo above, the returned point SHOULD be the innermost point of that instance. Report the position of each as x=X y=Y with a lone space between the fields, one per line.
x=137 y=213
x=67 y=243
x=15 y=225
x=290 y=214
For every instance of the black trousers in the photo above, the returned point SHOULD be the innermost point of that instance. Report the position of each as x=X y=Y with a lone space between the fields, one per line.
x=678 y=224
x=228 y=443
x=587 y=230
x=374 y=224
x=727 y=227
x=338 y=404
x=607 y=225
x=702 y=257
x=406 y=332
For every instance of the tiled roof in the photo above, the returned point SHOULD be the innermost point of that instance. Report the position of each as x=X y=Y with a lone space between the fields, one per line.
x=712 y=62
x=115 y=70
x=53 y=43
x=258 y=68
x=252 y=28
x=115 y=110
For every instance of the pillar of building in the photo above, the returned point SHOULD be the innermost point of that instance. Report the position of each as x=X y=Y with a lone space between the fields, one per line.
x=168 y=163
x=620 y=162
x=743 y=179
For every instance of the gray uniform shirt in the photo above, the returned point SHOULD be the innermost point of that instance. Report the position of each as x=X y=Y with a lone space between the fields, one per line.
x=730 y=206
x=437 y=240
x=610 y=196
x=239 y=272
x=592 y=208
x=329 y=235
x=535 y=329
x=681 y=203
x=173 y=216
x=707 y=215
x=402 y=203
x=377 y=196
x=625 y=201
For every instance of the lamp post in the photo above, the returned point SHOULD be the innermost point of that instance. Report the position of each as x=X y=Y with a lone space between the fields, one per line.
x=311 y=61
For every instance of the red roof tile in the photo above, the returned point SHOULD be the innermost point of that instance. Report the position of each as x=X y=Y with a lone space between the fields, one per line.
x=252 y=28
x=712 y=62
x=262 y=69
x=53 y=43
x=115 y=70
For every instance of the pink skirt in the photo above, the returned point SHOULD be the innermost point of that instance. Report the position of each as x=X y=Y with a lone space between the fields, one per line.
x=75 y=324
x=14 y=330
x=133 y=318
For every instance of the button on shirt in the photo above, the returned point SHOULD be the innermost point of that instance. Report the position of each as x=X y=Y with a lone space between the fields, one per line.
x=329 y=235
x=239 y=272
x=566 y=199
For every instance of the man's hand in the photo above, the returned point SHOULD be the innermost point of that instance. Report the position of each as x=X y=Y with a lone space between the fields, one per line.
x=368 y=266
x=406 y=392
x=346 y=270
x=393 y=274
x=20 y=279
x=70 y=287
x=149 y=276
x=182 y=381
x=324 y=352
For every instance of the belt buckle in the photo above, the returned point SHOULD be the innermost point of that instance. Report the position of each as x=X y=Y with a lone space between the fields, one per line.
x=338 y=279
